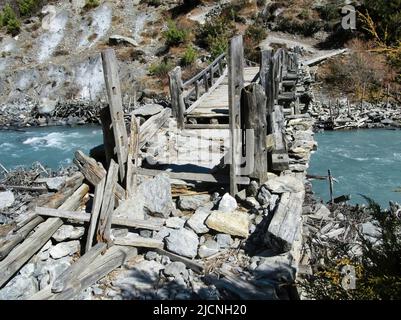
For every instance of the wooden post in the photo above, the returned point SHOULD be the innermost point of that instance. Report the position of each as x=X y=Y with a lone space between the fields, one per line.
x=235 y=85
x=177 y=100
x=265 y=56
x=331 y=186
x=388 y=95
x=253 y=118
x=111 y=78
x=133 y=152
x=108 y=136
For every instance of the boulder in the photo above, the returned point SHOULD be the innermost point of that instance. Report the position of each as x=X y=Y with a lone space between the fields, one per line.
x=234 y=223
x=286 y=183
x=197 y=220
x=208 y=248
x=264 y=196
x=227 y=203
x=6 y=199
x=132 y=208
x=157 y=195
x=68 y=232
x=224 y=240
x=176 y=270
x=19 y=288
x=183 y=242
x=175 y=223
x=64 y=249
x=148 y=110
x=193 y=202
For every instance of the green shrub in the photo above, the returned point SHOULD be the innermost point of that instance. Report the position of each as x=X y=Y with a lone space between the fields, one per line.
x=89 y=4
x=189 y=57
x=329 y=12
x=161 y=69
x=174 y=35
x=9 y=19
x=253 y=36
x=26 y=7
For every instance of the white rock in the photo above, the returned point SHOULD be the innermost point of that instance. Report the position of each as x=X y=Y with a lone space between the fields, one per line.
x=132 y=208
x=68 y=232
x=175 y=223
x=227 y=203
x=183 y=242
x=209 y=248
x=19 y=288
x=176 y=270
x=64 y=249
x=282 y=184
x=6 y=199
x=234 y=223
x=193 y=202
x=224 y=240
x=55 y=183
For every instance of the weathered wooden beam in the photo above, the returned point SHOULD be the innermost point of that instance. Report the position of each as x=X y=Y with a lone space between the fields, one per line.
x=253 y=118
x=192 y=176
x=65 y=280
x=75 y=200
x=150 y=127
x=206 y=126
x=108 y=136
x=279 y=158
x=235 y=85
x=193 y=265
x=107 y=207
x=176 y=93
x=133 y=155
x=111 y=78
x=97 y=202
x=139 y=242
x=94 y=172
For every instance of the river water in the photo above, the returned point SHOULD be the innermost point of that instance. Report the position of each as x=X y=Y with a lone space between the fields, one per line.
x=364 y=161
x=51 y=146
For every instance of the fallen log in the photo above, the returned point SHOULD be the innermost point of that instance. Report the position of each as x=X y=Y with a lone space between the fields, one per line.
x=150 y=127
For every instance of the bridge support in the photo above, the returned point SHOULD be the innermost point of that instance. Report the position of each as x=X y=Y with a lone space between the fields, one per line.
x=177 y=98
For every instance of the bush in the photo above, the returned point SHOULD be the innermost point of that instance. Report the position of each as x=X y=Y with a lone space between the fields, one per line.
x=161 y=69
x=89 y=4
x=9 y=19
x=26 y=7
x=189 y=57
x=174 y=35
x=329 y=12
x=253 y=36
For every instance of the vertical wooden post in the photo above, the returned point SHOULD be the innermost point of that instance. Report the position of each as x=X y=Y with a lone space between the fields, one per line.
x=133 y=151
x=331 y=186
x=235 y=85
x=265 y=56
x=177 y=100
x=111 y=78
x=388 y=95
x=253 y=118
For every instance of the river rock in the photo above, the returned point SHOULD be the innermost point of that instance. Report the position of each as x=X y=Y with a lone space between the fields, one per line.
x=148 y=110
x=282 y=184
x=183 y=242
x=224 y=240
x=47 y=271
x=64 y=249
x=157 y=195
x=68 y=232
x=176 y=270
x=20 y=287
x=371 y=231
x=234 y=223
x=6 y=199
x=227 y=203
x=132 y=208
x=208 y=248
x=54 y=184
x=175 y=223
x=197 y=220
x=162 y=233
x=193 y=202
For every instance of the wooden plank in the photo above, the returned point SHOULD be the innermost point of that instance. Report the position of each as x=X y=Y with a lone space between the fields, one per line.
x=107 y=207
x=133 y=154
x=279 y=155
x=207 y=94
x=97 y=201
x=7 y=245
x=108 y=136
x=111 y=78
x=150 y=224
x=65 y=279
x=150 y=127
x=140 y=242
x=253 y=117
x=265 y=57
x=75 y=200
x=103 y=265
x=22 y=253
x=235 y=85
x=193 y=265
x=94 y=172
x=206 y=126
x=176 y=93
x=192 y=176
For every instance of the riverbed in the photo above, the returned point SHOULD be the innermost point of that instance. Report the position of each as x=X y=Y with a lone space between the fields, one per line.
x=364 y=162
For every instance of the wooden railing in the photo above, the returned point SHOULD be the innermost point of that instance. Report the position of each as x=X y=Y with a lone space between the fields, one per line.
x=186 y=96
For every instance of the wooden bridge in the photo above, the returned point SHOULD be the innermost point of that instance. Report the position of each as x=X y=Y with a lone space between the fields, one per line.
x=251 y=100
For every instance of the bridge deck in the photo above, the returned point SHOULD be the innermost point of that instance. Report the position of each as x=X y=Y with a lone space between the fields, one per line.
x=216 y=104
